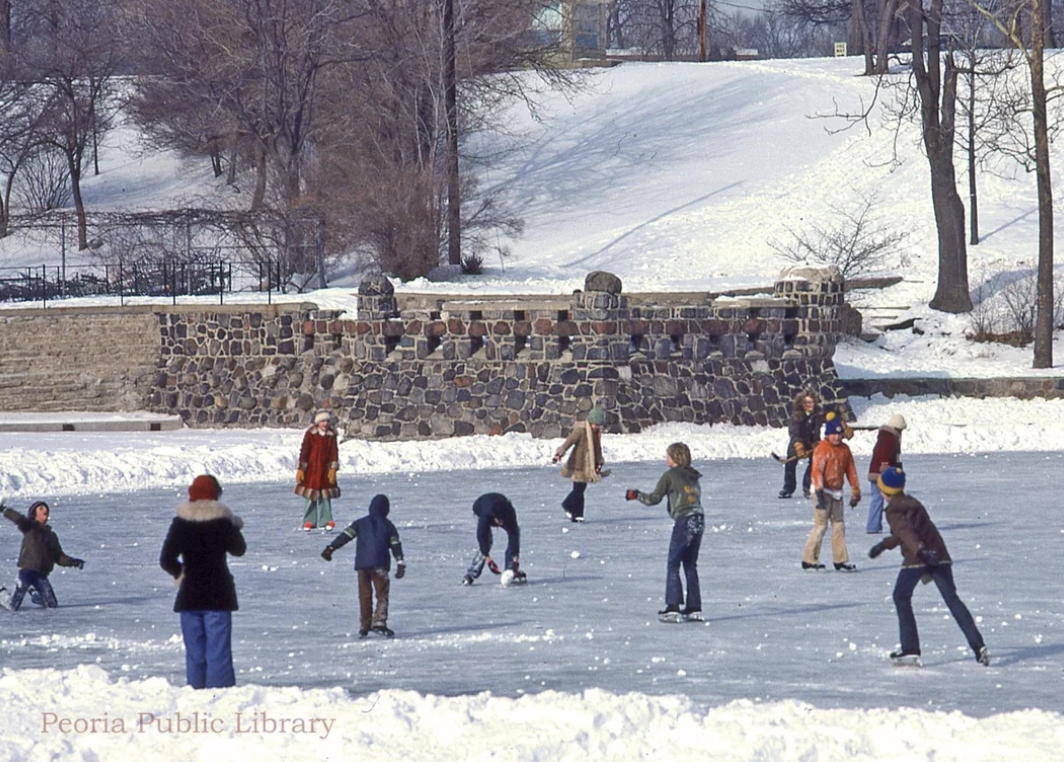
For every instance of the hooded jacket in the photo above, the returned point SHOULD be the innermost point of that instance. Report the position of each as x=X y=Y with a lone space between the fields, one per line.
x=680 y=484
x=374 y=537
x=194 y=554
x=493 y=509
x=40 y=551
x=886 y=453
x=911 y=528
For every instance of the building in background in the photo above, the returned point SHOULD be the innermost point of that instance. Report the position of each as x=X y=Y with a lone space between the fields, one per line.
x=577 y=27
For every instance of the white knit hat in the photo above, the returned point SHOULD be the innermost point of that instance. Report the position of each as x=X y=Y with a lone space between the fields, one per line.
x=325 y=415
x=896 y=422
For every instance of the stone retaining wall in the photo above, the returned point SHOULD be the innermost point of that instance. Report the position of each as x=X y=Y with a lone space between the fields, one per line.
x=443 y=366
x=449 y=366
x=57 y=359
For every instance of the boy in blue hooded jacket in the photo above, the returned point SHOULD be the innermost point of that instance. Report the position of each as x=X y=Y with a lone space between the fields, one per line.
x=374 y=537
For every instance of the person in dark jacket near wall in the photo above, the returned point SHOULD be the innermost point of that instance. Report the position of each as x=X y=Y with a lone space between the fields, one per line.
x=194 y=554
x=375 y=536
x=804 y=432
x=885 y=454
x=495 y=510
x=39 y=555
x=924 y=556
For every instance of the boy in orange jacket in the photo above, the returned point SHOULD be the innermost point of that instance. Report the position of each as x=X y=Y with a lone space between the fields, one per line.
x=832 y=464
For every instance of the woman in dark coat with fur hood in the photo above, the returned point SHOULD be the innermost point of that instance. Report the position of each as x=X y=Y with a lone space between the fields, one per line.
x=194 y=554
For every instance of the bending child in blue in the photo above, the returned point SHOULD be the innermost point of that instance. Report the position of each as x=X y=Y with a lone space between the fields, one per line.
x=495 y=510
x=40 y=553
x=374 y=536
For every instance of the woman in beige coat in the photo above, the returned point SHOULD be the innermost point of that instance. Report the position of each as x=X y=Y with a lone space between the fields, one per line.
x=585 y=461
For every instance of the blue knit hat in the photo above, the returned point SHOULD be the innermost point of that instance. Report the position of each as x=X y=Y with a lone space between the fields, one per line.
x=596 y=415
x=891 y=481
x=834 y=426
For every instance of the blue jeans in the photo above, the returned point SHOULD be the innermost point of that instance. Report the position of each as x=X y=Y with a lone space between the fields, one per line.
x=479 y=559
x=875 y=509
x=942 y=574
x=28 y=578
x=208 y=648
x=790 y=472
x=683 y=549
x=574 y=501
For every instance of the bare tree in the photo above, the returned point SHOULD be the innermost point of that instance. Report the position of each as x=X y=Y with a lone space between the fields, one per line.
x=72 y=53
x=935 y=81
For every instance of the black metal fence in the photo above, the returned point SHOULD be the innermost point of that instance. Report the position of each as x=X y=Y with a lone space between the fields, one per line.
x=159 y=279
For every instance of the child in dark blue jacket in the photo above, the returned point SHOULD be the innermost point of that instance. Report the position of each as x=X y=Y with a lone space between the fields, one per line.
x=495 y=510
x=374 y=537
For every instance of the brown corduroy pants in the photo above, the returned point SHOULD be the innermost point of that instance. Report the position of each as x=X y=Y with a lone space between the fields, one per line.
x=368 y=581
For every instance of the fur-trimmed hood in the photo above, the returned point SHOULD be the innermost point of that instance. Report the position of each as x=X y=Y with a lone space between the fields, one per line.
x=207 y=510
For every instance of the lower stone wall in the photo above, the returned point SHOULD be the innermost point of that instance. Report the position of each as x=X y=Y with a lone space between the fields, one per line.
x=101 y=360
x=1020 y=388
x=429 y=399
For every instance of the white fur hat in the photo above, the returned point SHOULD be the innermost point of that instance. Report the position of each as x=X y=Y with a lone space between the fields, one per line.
x=325 y=415
x=896 y=422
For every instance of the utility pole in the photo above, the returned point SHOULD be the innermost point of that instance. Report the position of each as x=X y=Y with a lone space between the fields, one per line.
x=450 y=87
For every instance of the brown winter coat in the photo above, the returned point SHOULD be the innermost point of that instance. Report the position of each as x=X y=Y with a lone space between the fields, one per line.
x=318 y=457
x=913 y=530
x=886 y=453
x=586 y=460
x=832 y=464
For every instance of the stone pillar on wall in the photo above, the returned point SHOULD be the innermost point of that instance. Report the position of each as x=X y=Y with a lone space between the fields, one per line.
x=812 y=323
x=379 y=329
x=605 y=310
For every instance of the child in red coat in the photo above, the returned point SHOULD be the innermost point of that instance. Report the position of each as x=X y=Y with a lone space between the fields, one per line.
x=319 y=458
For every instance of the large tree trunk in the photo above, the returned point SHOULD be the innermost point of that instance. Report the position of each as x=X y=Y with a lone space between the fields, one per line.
x=937 y=91
x=1043 y=326
x=885 y=35
x=259 y=196
x=973 y=190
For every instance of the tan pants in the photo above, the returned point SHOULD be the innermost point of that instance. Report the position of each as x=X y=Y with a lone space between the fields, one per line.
x=368 y=580
x=835 y=515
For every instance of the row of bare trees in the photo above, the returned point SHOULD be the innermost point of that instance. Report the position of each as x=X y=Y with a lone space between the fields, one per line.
x=331 y=114
x=337 y=109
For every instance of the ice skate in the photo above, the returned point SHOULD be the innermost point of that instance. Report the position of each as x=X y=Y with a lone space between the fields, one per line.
x=670 y=616
x=905 y=659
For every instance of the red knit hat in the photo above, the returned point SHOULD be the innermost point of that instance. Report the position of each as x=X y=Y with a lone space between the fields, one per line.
x=204 y=487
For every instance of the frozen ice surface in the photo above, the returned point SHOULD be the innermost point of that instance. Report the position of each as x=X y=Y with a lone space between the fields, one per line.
x=587 y=618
